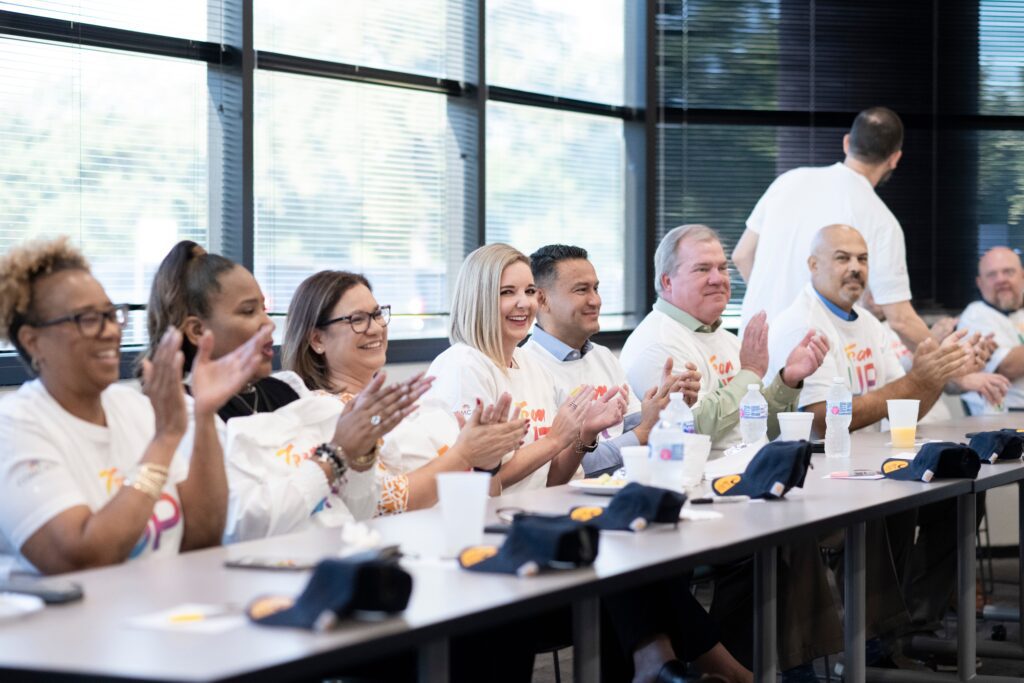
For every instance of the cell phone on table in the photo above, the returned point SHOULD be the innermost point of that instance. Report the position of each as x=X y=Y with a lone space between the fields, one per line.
x=52 y=591
x=280 y=564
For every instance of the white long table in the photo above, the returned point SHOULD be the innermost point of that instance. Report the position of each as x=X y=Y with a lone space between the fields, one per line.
x=91 y=639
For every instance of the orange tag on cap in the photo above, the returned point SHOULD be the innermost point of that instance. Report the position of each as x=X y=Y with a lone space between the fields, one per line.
x=891 y=466
x=477 y=554
x=724 y=484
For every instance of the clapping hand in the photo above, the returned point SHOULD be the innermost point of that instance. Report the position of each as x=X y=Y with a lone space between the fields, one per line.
x=488 y=433
x=754 y=348
x=161 y=382
x=214 y=382
x=805 y=358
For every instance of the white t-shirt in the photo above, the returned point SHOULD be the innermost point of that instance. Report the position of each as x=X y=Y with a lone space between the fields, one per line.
x=794 y=208
x=53 y=461
x=598 y=367
x=859 y=350
x=1009 y=333
x=716 y=355
x=464 y=374
x=940 y=412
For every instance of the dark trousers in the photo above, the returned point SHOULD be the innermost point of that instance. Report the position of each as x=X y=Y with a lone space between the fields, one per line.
x=628 y=620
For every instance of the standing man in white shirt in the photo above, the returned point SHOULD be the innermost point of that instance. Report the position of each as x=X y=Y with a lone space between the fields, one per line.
x=568 y=315
x=1000 y=312
x=772 y=251
x=692 y=281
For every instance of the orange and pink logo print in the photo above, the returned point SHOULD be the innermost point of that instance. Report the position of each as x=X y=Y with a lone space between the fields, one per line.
x=726 y=371
x=535 y=416
x=863 y=374
x=166 y=513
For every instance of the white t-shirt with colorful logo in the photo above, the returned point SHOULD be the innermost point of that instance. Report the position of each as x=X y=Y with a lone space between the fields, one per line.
x=463 y=375
x=1009 y=333
x=860 y=351
x=53 y=461
x=599 y=367
x=657 y=337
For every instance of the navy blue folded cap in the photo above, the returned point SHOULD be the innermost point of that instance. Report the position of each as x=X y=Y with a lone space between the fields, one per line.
x=338 y=588
x=773 y=471
x=935 y=460
x=535 y=543
x=634 y=508
x=1002 y=445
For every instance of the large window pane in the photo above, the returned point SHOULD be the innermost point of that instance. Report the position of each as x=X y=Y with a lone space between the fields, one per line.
x=358 y=177
x=423 y=36
x=570 y=49
x=558 y=177
x=1001 y=35
x=106 y=147
x=181 y=18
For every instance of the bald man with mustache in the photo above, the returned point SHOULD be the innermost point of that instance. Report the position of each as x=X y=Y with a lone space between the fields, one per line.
x=859 y=350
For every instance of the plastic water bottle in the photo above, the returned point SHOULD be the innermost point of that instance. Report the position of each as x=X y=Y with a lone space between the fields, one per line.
x=753 y=416
x=681 y=412
x=666 y=447
x=838 y=415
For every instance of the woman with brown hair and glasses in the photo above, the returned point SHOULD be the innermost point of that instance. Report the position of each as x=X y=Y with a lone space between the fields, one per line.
x=89 y=475
x=294 y=459
x=337 y=340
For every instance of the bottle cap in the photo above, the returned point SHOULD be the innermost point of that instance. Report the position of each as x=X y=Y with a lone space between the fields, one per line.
x=753 y=387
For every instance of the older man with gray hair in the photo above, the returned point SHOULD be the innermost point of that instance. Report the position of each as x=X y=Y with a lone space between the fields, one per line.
x=692 y=281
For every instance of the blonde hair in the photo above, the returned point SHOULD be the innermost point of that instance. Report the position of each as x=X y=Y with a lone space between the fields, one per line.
x=19 y=269
x=476 y=305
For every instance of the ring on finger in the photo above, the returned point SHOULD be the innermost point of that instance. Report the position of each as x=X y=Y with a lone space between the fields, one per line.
x=375 y=420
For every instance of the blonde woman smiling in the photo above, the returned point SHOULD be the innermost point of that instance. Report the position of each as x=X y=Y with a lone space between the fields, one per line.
x=337 y=340
x=493 y=308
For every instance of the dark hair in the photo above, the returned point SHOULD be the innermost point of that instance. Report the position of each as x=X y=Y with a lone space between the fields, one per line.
x=182 y=287
x=311 y=305
x=876 y=134
x=544 y=262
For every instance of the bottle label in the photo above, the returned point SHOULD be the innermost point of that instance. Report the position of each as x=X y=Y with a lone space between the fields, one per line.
x=840 y=408
x=669 y=452
x=689 y=428
x=753 y=411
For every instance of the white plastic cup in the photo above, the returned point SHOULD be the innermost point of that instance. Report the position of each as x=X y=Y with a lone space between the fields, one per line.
x=696 y=449
x=636 y=460
x=795 y=426
x=903 y=421
x=463 y=498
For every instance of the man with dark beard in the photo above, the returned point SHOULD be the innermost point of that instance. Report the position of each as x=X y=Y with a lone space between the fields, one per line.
x=770 y=255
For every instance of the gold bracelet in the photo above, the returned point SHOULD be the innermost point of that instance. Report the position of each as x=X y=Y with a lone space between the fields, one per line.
x=150 y=480
x=365 y=462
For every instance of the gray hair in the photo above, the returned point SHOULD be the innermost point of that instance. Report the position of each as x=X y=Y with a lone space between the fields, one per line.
x=665 y=258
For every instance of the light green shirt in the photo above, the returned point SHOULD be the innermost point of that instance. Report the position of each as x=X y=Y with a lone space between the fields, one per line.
x=718 y=411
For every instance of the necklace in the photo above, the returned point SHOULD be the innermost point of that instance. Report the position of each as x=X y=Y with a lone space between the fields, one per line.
x=254 y=390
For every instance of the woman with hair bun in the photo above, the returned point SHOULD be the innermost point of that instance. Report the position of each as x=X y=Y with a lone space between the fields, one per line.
x=294 y=458
x=89 y=475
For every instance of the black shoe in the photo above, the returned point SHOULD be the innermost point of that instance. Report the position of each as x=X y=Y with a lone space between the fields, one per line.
x=674 y=671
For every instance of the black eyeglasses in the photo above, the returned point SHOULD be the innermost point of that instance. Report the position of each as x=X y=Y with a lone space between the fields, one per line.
x=91 y=323
x=360 y=320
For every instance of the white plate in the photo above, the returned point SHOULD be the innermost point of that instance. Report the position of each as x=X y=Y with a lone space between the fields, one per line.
x=15 y=605
x=591 y=486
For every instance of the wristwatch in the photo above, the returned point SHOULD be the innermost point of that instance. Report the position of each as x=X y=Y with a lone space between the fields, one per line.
x=332 y=455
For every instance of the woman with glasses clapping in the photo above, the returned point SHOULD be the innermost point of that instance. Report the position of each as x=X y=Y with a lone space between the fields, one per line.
x=294 y=459
x=89 y=475
x=336 y=341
